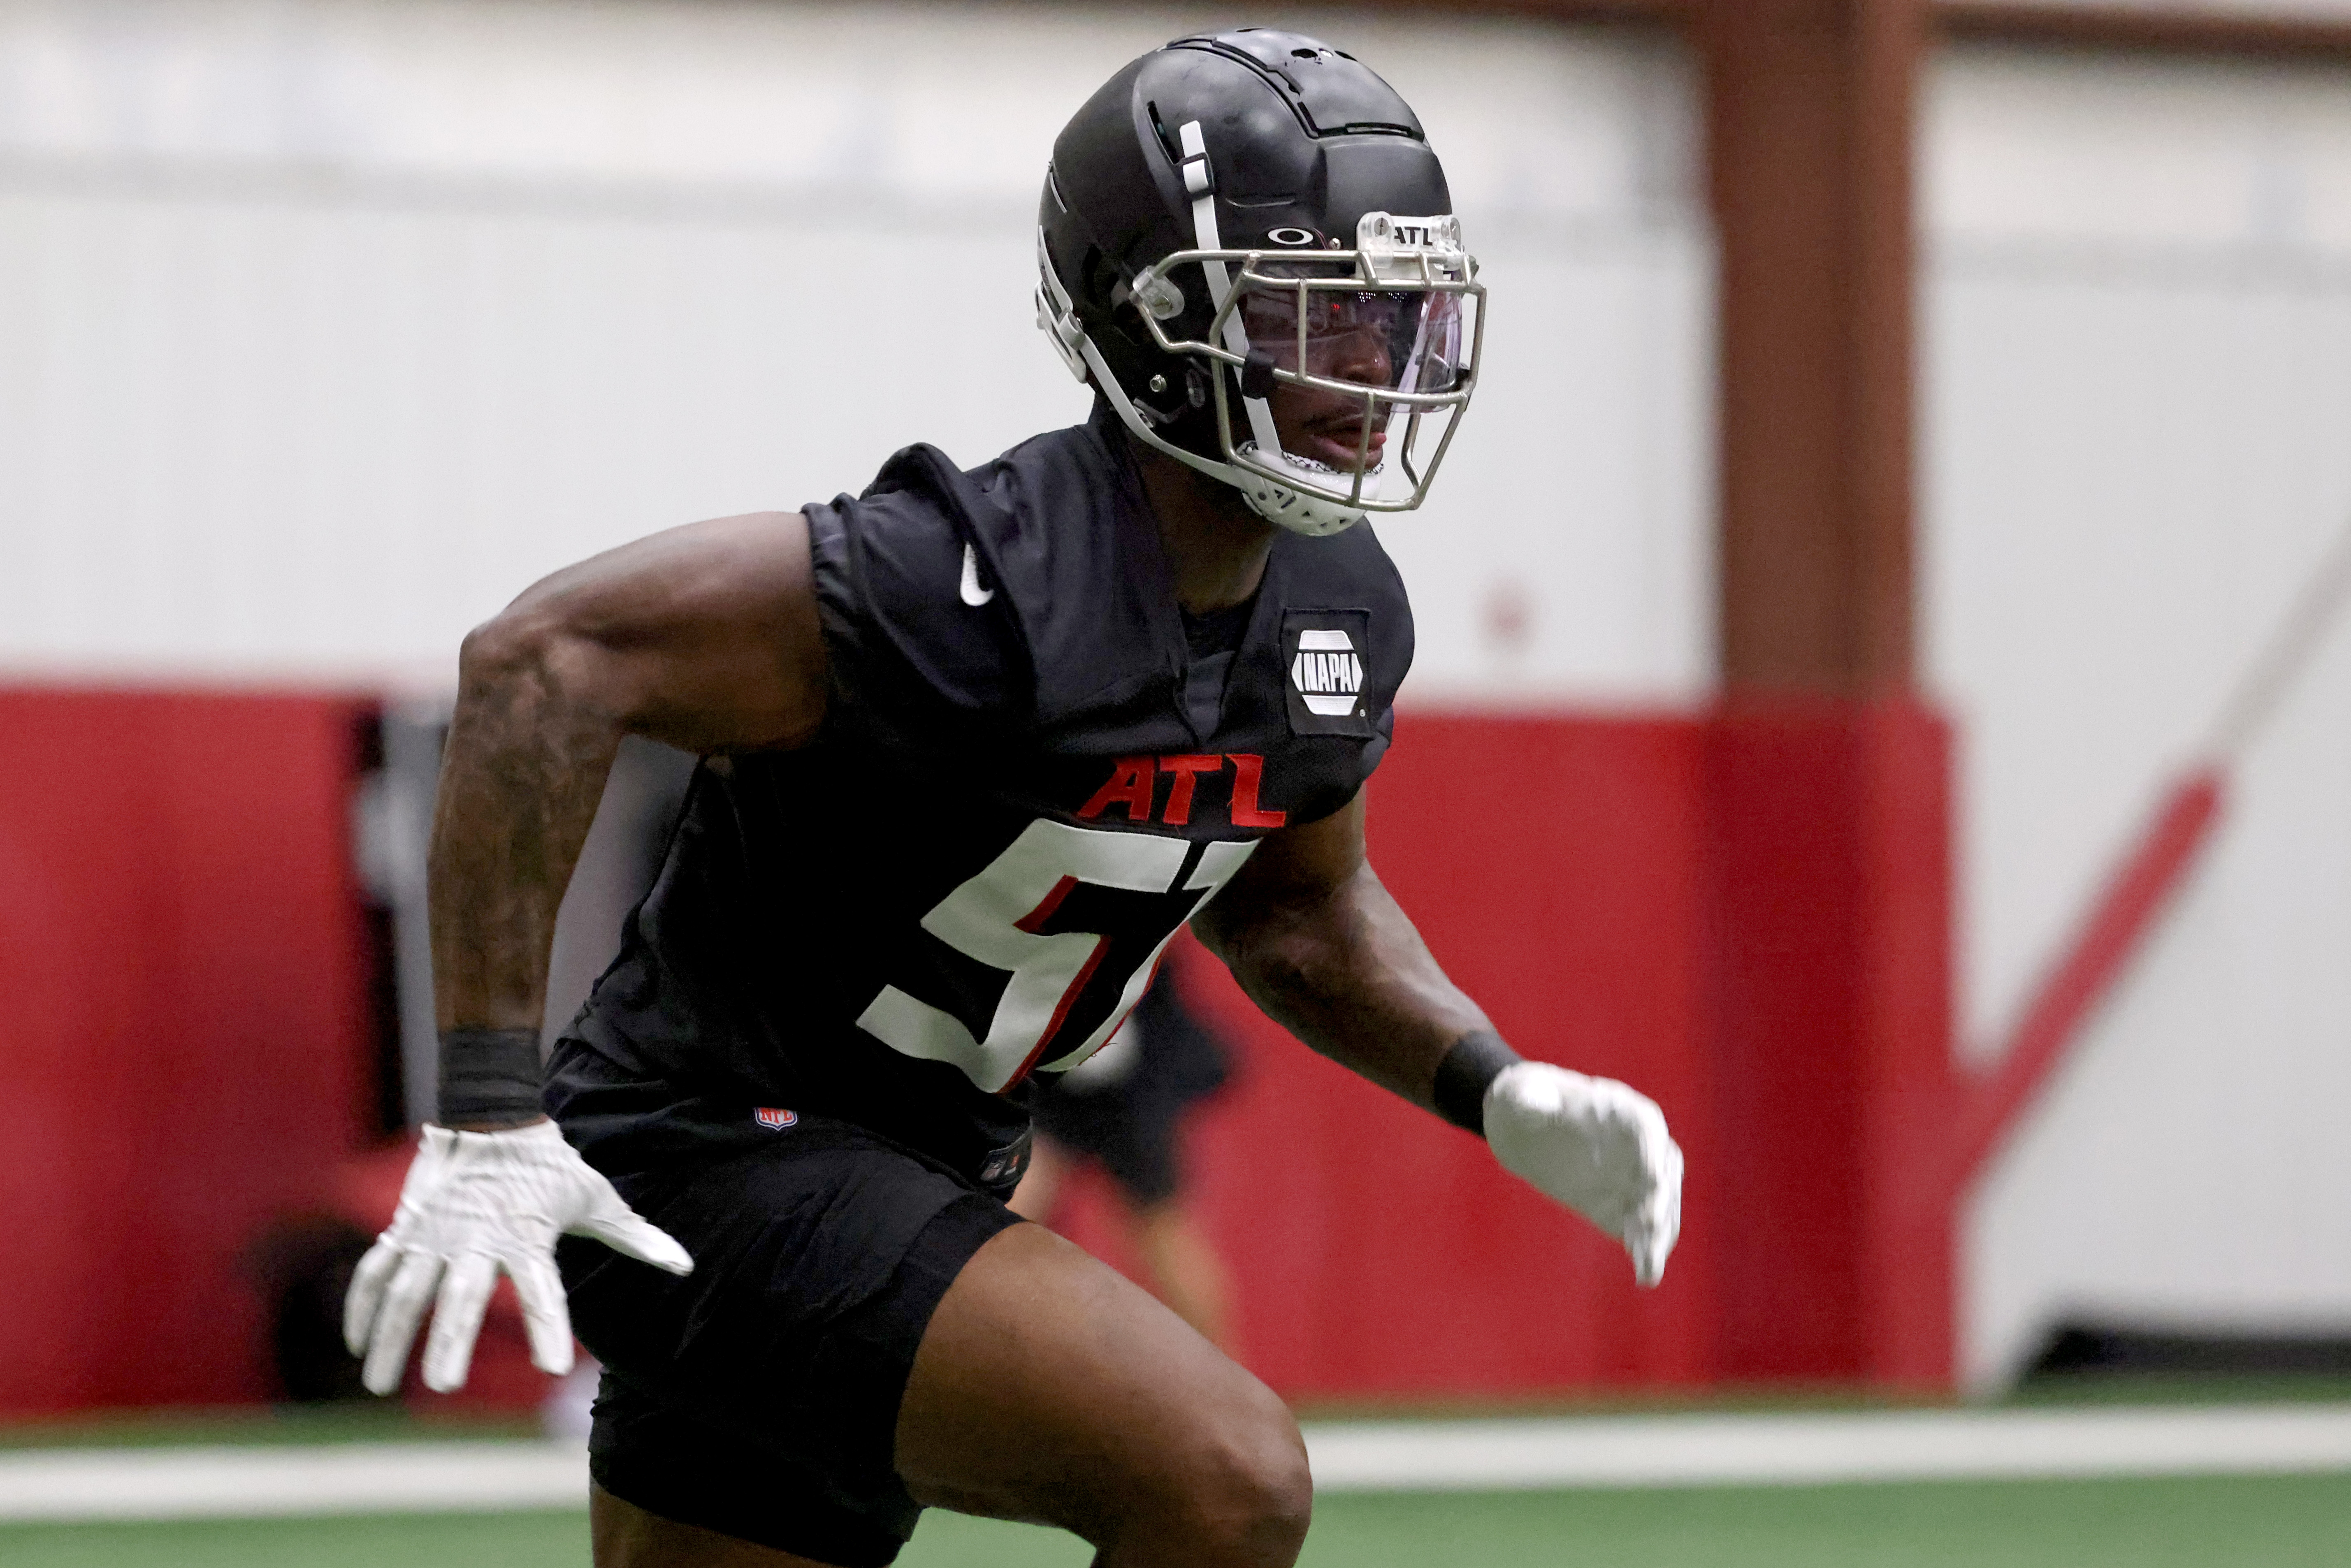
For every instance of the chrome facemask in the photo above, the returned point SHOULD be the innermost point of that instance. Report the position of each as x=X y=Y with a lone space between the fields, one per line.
x=1379 y=332
x=1390 y=335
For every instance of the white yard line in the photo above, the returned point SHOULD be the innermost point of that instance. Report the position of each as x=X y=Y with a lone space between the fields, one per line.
x=255 y=1482
x=1385 y=1455
x=1807 y=1451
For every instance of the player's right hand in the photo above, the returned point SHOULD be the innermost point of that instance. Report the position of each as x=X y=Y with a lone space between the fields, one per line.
x=1597 y=1146
x=475 y=1203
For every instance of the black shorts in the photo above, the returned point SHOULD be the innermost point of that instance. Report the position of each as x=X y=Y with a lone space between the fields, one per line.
x=759 y=1395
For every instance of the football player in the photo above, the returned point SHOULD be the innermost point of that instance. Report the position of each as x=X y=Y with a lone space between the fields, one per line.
x=975 y=744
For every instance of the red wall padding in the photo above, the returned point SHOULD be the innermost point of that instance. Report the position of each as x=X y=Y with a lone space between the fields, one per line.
x=1744 y=915
x=1554 y=866
x=182 y=1028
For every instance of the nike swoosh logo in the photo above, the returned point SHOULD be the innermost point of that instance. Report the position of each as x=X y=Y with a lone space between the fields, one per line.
x=973 y=595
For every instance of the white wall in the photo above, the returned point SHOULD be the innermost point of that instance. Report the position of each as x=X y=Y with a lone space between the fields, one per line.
x=328 y=325
x=2139 y=444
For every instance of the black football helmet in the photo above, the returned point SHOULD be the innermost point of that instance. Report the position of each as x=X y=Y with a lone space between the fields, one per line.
x=1235 y=215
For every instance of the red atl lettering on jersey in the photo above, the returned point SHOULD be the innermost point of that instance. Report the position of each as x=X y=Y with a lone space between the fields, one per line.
x=1249 y=771
x=1187 y=771
x=1134 y=779
x=1131 y=783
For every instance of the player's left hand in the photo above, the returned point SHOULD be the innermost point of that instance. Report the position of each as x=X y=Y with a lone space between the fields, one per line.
x=1597 y=1146
x=475 y=1203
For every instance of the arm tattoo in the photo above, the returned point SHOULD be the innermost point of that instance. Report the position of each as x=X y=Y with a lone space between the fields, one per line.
x=520 y=785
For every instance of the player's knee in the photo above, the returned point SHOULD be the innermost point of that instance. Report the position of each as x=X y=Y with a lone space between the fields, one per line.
x=1247 y=1498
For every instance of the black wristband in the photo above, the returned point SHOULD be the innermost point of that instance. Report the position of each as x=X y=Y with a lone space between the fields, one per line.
x=488 y=1075
x=1467 y=1070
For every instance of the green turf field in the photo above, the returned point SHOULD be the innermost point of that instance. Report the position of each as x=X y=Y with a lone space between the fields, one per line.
x=2274 y=1521
x=2281 y=1520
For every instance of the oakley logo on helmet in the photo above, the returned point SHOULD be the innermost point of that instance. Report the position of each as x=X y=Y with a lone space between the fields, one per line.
x=1290 y=236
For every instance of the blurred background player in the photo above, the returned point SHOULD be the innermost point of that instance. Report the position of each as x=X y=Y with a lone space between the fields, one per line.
x=1122 y=1111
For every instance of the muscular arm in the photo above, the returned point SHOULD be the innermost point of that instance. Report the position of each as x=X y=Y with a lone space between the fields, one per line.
x=705 y=637
x=1318 y=942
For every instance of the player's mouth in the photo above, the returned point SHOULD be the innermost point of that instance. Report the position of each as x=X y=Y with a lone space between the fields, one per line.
x=1334 y=439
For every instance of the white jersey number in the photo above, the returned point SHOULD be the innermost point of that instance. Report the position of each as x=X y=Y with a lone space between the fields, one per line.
x=1060 y=910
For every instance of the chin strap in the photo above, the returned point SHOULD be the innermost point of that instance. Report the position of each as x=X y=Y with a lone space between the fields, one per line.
x=1200 y=182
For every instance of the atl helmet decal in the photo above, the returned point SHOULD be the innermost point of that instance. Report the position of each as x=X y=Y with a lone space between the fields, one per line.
x=1328 y=673
x=776 y=1119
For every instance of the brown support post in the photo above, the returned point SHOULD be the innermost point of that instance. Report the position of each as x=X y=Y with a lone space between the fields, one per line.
x=1826 y=783
x=1809 y=116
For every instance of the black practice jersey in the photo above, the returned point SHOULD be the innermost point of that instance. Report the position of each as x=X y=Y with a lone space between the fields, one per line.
x=1028 y=779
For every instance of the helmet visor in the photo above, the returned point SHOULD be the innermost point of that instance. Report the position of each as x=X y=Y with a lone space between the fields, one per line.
x=1338 y=376
x=1331 y=329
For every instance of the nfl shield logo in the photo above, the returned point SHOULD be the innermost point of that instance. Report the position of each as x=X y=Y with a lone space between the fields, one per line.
x=775 y=1120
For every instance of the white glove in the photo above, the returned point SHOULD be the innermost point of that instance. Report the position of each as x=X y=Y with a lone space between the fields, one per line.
x=1597 y=1145
x=475 y=1203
